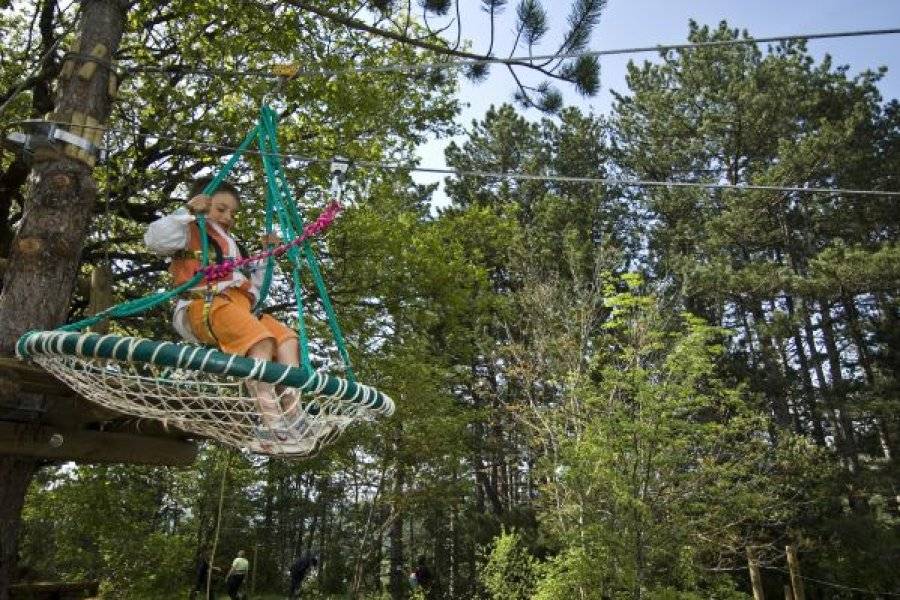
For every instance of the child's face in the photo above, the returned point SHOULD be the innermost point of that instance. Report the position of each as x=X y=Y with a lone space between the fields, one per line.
x=222 y=209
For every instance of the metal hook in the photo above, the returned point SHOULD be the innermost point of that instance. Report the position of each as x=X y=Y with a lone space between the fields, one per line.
x=339 y=168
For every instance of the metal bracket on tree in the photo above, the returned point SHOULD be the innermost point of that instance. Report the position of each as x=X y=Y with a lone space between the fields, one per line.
x=38 y=135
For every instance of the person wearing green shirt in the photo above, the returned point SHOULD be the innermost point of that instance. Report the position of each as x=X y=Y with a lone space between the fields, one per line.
x=236 y=575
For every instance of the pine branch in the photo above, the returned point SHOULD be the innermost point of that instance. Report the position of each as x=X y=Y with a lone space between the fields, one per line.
x=493 y=8
x=584 y=16
x=405 y=39
x=533 y=21
x=458 y=26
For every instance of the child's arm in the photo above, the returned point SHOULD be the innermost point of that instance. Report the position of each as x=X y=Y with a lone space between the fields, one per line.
x=169 y=234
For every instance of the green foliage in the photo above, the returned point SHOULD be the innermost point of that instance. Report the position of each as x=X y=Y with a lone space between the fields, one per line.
x=510 y=570
x=118 y=524
x=585 y=72
x=438 y=7
x=635 y=431
x=662 y=465
x=801 y=280
x=532 y=20
x=575 y=572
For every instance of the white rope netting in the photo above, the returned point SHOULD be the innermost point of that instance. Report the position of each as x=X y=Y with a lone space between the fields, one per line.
x=218 y=407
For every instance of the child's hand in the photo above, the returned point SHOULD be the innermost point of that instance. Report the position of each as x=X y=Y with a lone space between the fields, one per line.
x=272 y=238
x=199 y=203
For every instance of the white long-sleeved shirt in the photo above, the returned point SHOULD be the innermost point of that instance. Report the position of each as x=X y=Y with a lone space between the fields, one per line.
x=171 y=233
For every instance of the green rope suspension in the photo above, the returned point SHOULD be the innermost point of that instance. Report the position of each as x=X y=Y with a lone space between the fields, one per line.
x=280 y=205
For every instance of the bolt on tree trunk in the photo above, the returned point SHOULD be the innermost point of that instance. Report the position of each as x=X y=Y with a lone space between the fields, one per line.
x=45 y=253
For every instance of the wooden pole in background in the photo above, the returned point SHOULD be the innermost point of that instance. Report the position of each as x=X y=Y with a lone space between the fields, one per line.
x=788 y=595
x=253 y=572
x=794 y=567
x=755 y=577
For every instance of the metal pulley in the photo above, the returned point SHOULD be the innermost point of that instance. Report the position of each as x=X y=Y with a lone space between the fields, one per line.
x=339 y=168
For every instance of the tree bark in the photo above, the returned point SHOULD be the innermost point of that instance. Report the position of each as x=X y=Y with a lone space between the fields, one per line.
x=838 y=385
x=45 y=253
x=809 y=391
x=15 y=475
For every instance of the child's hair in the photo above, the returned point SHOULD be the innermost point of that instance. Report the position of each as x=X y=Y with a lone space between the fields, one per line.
x=199 y=184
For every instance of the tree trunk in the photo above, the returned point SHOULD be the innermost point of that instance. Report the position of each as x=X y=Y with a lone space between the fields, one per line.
x=838 y=385
x=865 y=361
x=809 y=391
x=45 y=253
x=397 y=580
x=856 y=334
x=15 y=475
x=773 y=382
x=840 y=436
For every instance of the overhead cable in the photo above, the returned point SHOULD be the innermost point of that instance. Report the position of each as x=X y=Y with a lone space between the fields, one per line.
x=516 y=60
x=512 y=175
x=836 y=585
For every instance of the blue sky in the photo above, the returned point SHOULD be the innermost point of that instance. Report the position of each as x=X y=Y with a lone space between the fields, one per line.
x=630 y=23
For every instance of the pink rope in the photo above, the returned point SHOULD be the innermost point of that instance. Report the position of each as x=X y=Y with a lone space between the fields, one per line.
x=224 y=269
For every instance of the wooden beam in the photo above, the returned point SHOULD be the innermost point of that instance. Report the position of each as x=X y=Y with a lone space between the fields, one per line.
x=755 y=577
x=794 y=567
x=54 y=403
x=32 y=378
x=94 y=446
x=46 y=589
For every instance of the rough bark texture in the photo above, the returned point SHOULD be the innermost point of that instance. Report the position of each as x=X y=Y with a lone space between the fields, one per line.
x=45 y=253
x=15 y=475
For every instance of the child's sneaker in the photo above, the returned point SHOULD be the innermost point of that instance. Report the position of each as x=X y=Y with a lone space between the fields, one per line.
x=280 y=440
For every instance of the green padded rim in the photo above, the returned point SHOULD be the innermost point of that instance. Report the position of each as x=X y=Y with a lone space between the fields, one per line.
x=199 y=358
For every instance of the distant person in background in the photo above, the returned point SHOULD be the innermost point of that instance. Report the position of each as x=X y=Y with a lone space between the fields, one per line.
x=236 y=574
x=421 y=576
x=299 y=569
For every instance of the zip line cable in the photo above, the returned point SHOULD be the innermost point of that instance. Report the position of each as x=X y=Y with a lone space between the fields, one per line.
x=516 y=60
x=834 y=585
x=486 y=174
x=519 y=60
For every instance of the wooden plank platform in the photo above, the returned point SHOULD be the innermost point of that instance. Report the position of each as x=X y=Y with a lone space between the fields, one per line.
x=85 y=446
x=31 y=378
x=42 y=417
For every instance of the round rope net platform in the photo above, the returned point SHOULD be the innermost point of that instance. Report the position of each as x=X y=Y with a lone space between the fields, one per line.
x=264 y=407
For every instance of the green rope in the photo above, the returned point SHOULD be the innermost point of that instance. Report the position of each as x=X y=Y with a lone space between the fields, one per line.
x=329 y=309
x=280 y=204
x=270 y=261
x=133 y=307
x=287 y=230
x=213 y=185
x=198 y=358
x=267 y=121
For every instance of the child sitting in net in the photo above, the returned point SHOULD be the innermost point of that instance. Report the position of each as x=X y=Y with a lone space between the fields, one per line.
x=220 y=313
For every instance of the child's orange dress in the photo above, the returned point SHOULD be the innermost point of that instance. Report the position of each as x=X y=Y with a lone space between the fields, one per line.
x=227 y=321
